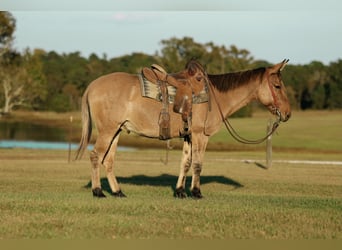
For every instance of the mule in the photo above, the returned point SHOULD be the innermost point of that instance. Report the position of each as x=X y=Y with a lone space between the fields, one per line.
x=114 y=103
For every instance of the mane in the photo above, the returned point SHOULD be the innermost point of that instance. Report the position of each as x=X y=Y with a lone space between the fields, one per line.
x=230 y=81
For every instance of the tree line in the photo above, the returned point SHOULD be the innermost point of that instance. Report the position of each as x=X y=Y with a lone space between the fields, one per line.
x=49 y=81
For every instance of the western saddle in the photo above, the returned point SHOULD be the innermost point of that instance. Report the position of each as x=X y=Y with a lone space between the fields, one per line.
x=182 y=101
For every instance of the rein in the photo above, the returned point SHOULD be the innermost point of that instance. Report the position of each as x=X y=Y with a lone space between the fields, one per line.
x=232 y=131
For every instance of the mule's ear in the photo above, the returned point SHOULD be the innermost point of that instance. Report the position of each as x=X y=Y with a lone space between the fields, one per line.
x=280 y=66
x=284 y=62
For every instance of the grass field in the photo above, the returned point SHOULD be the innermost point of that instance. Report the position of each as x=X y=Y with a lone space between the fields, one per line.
x=42 y=196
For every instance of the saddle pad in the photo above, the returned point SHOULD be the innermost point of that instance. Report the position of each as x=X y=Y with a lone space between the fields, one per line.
x=151 y=90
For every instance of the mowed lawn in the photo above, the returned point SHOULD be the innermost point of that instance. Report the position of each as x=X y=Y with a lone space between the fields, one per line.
x=308 y=130
x=43 y=196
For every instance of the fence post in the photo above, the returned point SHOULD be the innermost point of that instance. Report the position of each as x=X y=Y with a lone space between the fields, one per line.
x=70 y=138
x=269 y=145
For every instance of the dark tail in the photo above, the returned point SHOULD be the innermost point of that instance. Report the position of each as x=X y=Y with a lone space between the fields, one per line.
x=86 y=127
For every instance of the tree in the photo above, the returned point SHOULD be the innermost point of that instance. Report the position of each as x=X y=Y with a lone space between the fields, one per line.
x=218 y=59
x=132 y=63
x=61 y=71
x=96 y=66
x=12 y=83
x=238 y=59
x=175 y=52
x=36 y=87
x=7 y=28
x=215 y=59
x=334 y=85
x=23 y=82
x=21 y=79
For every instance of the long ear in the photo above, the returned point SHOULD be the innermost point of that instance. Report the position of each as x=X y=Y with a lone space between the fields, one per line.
x=279 y=67
x=284 y=62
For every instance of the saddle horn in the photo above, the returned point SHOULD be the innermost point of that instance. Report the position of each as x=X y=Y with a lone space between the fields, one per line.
x=158 y=67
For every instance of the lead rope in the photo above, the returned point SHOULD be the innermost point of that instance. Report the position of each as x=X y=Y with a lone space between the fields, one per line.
x=239 y=138
x=232 y=131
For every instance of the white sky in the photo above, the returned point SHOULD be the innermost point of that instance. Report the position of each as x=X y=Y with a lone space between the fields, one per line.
x=270 y=30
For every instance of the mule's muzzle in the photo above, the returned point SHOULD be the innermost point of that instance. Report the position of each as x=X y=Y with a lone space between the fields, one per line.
x=283 y=117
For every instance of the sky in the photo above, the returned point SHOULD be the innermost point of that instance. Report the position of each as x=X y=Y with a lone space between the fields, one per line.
x=269 y=30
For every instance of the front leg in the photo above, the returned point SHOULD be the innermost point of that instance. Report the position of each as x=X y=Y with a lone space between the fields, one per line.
x=184 y=168
x=195 y=183
x=200 y=142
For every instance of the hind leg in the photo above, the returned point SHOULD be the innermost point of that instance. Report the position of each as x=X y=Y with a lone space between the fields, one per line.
x=103 y=154
x=95 y=175
x=108 y=163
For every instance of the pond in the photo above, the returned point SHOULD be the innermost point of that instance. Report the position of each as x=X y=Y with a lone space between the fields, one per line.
x=20 y=131
x=33 y=136
x=38 y=144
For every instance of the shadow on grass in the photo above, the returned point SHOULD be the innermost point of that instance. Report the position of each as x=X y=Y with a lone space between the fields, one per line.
x=164 y=180
x=260 y=165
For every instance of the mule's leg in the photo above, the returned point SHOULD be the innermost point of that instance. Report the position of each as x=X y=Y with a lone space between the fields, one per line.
x=103 y=154
x=95 y=175
x=108 y=163
x=184 y=168
x=199 y=145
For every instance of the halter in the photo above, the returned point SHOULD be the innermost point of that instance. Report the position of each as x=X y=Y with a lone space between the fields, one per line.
x=275 y=101
x=232 y=131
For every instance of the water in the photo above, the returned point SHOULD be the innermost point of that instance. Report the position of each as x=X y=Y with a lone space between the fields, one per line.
x=31 y=132
x=32 y=136
x=39 y=145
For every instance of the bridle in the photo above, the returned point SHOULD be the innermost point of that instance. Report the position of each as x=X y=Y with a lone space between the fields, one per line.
x=275 y=100
x=232 y=131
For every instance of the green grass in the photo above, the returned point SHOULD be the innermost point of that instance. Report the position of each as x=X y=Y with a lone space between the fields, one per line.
x=311 y=130
x=42 y=196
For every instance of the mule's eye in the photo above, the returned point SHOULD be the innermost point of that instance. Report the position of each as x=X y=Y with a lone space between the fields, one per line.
x=277 y=86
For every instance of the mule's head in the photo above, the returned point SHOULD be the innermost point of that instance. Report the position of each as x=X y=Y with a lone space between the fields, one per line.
x=272 y=92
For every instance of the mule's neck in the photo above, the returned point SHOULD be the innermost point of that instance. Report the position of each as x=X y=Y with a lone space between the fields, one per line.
x=233 y=91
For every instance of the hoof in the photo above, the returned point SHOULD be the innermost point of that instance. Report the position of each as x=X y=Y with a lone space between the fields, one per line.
x=97 y=192
x=119 y=194
x=196 y=193
x=180 y=193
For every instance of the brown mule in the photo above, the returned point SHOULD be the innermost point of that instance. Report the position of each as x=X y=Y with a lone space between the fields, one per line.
x=114 y=103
